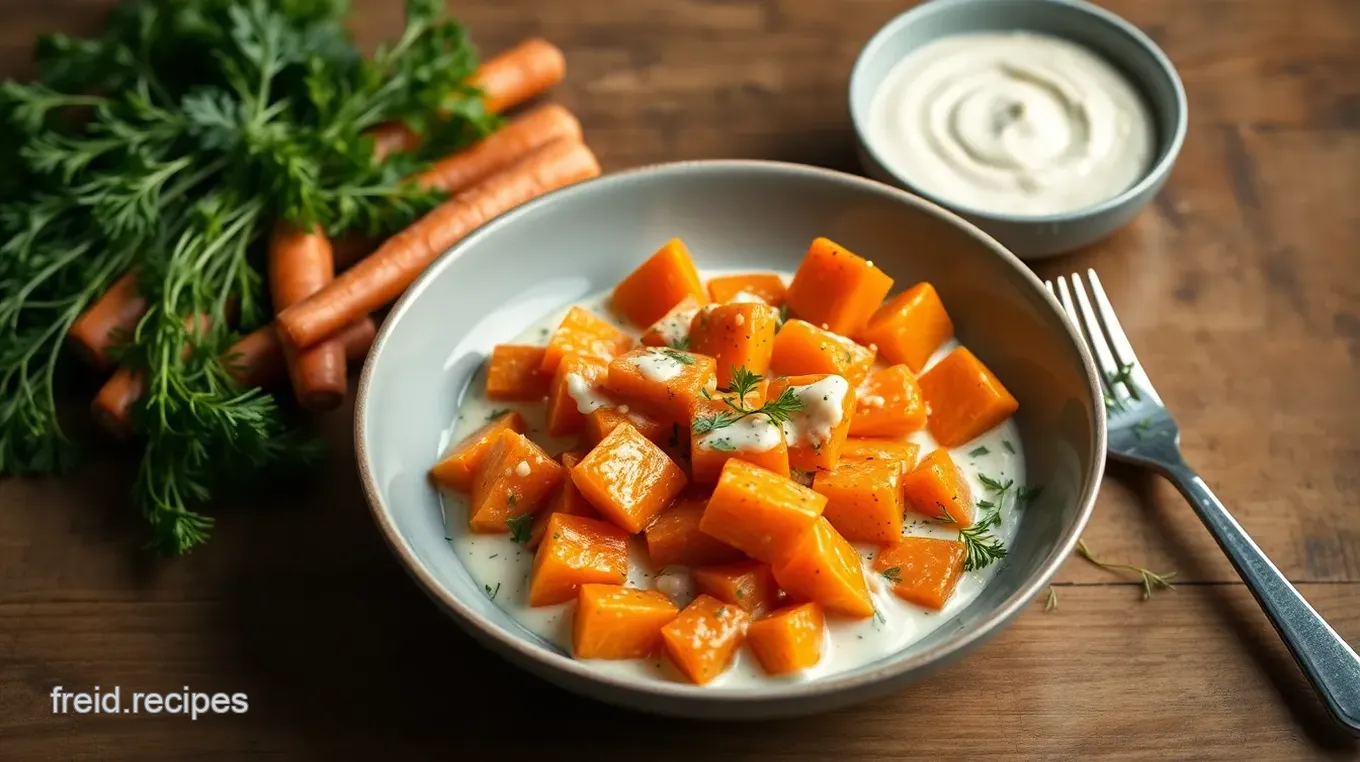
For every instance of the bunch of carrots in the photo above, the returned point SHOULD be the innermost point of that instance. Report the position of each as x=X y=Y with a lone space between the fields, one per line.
x=325 y=292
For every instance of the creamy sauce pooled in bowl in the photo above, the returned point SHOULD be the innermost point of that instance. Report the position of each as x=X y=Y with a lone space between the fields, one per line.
x=1012 y=123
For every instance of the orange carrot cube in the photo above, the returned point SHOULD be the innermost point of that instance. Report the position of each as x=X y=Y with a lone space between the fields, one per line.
x=836 y=287
x=739 y=335
x=801 y=348
x=672 y=330
x=824 y=568
x=758 y=511
x=603 y=420
x=936 y=488
x=788 y=640
x=665 y=380
x=582 y=332
x=515 y=478
x=628 y=479
x=566 y=499
x=658 y=284
x=768 y=287
x=457 y=471
x=909 y=327
x=816 y=432
x=888 y=404
x=754 y=439
x=863 y=500
x=703 y=639
x=922 y=570
x=674 y=538
x=964 y=399
x=615 y=622
x=577 y=390
x=747 y=584
x=513 y=374
x=904 y=454
x=576 y=551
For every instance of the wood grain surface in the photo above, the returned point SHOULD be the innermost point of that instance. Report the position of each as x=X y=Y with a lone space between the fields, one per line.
x=1240 y=287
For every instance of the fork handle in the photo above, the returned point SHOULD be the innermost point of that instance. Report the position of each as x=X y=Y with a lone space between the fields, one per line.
x=1328 y=662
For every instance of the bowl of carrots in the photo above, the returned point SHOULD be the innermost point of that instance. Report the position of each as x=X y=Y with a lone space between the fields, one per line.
x=726 y=439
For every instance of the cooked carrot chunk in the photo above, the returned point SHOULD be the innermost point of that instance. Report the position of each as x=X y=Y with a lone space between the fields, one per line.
x=904 y=454
x=658 y=284
x=576 y=551
x=909 y=327
x=769 y=287
x=922 y=570
x=753 y=438
x=665 y=380
x=584 y=333
x=801 y=348
x=835 y=287
x=603 y=420
x=788 y=640
x=565 y=499
x=817 y=431
x=516 y=477
x=936 y=488
x=758 y=511
x=888 y=404
x=672 y=330
x=703 y=639
x=615 y=622
x=674 y=539
x=964 y=399
x=823 y=567
x=458 y=469
x=739 y=335
x=513 y=373
x=577 y=389
x=628 y=479
x=748 y=584
x=863 y=500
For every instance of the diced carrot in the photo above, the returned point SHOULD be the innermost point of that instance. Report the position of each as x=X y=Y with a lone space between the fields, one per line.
x=801 y=348
x=818 y=433
x=739 y=335
x=698 y=325
x=628 y=479
x=565 y=499
x=788 y=640
x=577 y=389
x=672 y=330
x=674 y=538
x=836 y=287
x=747 y=584
x=964 y=399
x=768 y=286
x=584 y=333
x=603 y=420
x=657 y=285
x=665 y=380
x=904 y=454
x=936 y=488
x=515 y=477
x=863 y=500
x=922 y=570
x=513 y=373
x=576 y=551
x=758 y=511
x=702 y=640
x=823 y=567
x=457 y=469
x=616 y=622
x=909 y=327
x=888 y=404
x=754 y=439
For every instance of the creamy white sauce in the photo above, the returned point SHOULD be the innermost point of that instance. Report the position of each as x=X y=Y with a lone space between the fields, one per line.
x=501 y=567
x=674 y=327
x=822 y=411
x=589 y=397
x=659 y=365
x=1012 y=122
x=746 y=296
x=754 y=433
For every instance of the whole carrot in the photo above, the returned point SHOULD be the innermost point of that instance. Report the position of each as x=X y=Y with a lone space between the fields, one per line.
x=300 y=264
x=98 y=327
x=379 y=279
x=462 y=170
x=257 y=359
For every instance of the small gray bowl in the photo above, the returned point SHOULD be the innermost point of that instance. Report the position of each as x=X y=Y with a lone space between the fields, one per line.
x=1108 y=35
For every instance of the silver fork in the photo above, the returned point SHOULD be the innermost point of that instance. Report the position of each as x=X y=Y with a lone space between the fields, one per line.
x=1142 y=431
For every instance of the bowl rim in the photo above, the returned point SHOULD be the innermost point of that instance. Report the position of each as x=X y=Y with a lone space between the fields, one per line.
x=1155 y=174
x=520 y=651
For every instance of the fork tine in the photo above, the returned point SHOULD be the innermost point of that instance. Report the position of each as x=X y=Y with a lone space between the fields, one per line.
x=1119 y=341
x=1095 y=338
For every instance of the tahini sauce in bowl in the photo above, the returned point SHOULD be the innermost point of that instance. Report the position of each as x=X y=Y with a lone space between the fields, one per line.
x=1014 y=123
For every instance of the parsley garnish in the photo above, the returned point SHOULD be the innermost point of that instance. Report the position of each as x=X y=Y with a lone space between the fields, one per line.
x=995 y=485
x=684 y=358
x=1006 y=443
x=492 y=593
x=521 y=527
x=680 y=343
x=721 y=445
x=893 y=574
x=744 y=382
x=494 y=414
x=978 y=451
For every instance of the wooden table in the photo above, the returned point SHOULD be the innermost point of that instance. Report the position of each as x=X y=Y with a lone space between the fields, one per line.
x=1241 y=287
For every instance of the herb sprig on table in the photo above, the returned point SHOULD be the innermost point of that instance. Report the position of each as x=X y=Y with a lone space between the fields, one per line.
x=168 y=147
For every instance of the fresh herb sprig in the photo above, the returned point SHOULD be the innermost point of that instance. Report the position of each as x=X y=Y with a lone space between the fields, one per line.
x=744 y=383
x=1152 y=581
